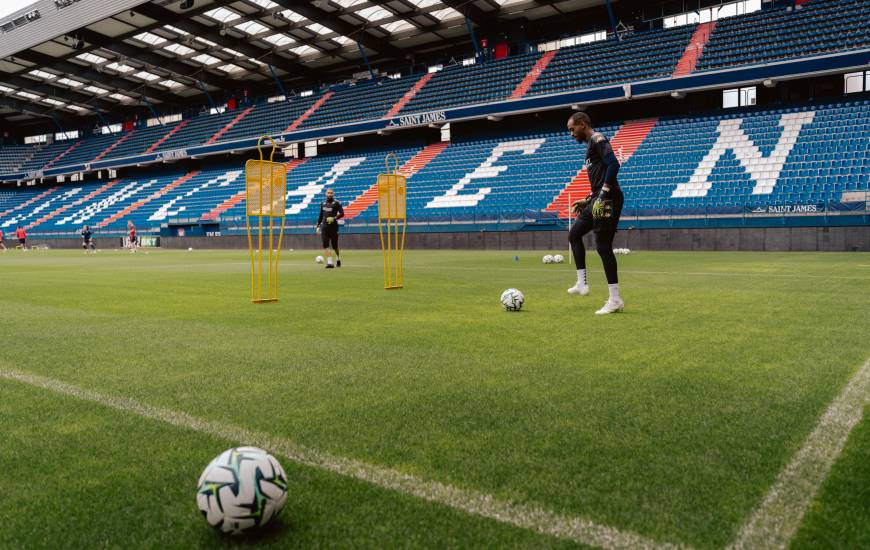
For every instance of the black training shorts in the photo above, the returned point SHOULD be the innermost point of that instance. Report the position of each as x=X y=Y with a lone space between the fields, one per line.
x=329 y=236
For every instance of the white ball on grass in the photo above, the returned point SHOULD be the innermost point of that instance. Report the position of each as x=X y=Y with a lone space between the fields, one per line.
x=558 y=258
x=241 y=490
x=512 y=300
x=318 y=260
x=548 y=259
x=190 y=249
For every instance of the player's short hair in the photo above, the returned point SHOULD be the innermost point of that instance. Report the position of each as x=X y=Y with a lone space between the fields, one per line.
x=581 y=116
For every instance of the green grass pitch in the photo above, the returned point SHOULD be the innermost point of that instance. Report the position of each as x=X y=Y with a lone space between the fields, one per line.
x=671 y=420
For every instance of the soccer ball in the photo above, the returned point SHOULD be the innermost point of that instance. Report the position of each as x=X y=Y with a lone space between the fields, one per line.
x=318 y=260
x=558 y=258
x=548 y=259
x=512 y=299
x=241 y=490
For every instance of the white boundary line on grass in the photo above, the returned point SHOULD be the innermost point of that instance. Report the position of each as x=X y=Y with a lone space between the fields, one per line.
x=775 y=521
x=472 y=502
x=646 y=272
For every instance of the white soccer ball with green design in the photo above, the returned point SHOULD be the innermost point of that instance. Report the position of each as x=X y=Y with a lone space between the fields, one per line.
x=512 y=299
x=241 y=490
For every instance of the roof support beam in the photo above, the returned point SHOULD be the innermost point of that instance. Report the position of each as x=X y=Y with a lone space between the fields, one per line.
x=333 y=22
x=181 y=70
x=85 y=73
x=62 y=94
x=91 y=47
x=159 y=13
x=469 y=10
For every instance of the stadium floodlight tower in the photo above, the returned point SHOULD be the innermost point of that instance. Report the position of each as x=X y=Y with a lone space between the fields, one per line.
x=265 y=202
x=392 y=221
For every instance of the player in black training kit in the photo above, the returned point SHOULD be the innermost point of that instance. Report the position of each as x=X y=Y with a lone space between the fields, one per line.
x=327 y=225
x=87 y=239
x=598 y=212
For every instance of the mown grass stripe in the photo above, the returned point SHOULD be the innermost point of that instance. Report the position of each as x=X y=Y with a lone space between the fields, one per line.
x=472 y=502
x=775 y=521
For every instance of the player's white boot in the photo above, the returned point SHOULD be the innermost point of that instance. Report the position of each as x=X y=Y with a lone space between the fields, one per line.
x=580 y=287
x=614 y=302
x=612 y=306
x=582 y=290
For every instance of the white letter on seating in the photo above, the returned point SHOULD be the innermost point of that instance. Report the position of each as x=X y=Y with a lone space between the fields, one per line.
x=764 y=171
x=452 y=199
x=313 y=188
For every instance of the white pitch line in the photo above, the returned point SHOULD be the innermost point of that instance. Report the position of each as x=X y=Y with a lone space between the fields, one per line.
x=557 y=270
x=472 y=502
x=775 y=521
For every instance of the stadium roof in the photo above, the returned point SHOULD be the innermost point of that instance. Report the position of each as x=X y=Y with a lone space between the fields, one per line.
x=164 y=52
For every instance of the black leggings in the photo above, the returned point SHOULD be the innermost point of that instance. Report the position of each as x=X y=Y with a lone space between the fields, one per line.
x=605 y=231
x=330 y=238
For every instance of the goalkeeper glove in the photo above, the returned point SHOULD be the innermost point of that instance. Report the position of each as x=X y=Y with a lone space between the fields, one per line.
x=330 y=219
x=603 y=206
x=317 y=229
x=581 y=205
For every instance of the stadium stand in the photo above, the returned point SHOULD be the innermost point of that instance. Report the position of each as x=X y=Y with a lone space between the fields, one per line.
x=819 y=27
x=776 y=33
x=17 y=200
x=269 y=118
x=721 y=164
x=614 y=60
x=726 y=163
x=44 y=155
x=346 y=106
x=12 y=157
x=310 y=111
x=478 y=83
x=141 y=140
x=90 y=149
x=199 y=130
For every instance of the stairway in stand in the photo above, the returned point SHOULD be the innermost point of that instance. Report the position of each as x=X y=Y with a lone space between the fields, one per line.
x=693 y=52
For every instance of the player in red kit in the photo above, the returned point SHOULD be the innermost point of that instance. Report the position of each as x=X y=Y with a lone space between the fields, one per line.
x=22 y=238
x=131 y=236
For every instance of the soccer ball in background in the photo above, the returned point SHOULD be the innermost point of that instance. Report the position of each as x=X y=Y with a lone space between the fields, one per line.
x=241 y=490
x=548 y=259
x=318 y=260
x=558 y=258
x=512 y=299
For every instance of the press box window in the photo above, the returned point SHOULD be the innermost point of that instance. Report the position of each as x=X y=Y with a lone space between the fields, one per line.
x=857 y=82
x=738 y=97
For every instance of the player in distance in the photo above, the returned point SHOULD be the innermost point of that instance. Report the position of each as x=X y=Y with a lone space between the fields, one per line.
x=88 y=240
x=132 y=239
x=327 y=226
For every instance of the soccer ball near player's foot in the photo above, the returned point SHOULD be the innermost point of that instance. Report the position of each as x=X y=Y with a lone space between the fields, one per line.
x=548 y=259
x=318 y=260
x=241 y=490
x=558 y=258
x=512 y=299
